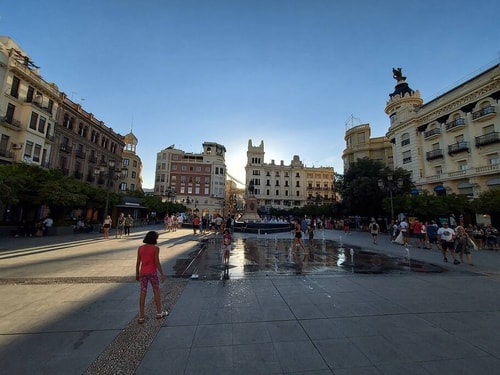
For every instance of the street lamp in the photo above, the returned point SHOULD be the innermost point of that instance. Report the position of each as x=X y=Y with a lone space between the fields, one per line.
x=391 y=186
x=170 y=194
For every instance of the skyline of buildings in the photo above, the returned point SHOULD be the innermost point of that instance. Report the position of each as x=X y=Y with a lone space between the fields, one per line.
x=451 y=143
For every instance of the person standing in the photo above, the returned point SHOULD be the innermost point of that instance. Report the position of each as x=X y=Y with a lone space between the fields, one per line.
x=446 y=237
x=120 y=225
x=147 y=267
x=432 y=235
x=226 y=240
x=404 y=227
x=417 y=232
x=463 y=244
x=106 y=225
x=47 y=224
x=297 y=239
x=196 y=223
x=127 y=224
x=374 y=230
x=310 y=232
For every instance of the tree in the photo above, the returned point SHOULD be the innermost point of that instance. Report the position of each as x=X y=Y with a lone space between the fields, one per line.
x=360 y=191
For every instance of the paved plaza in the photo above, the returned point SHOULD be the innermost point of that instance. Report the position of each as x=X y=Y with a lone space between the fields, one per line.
x=68 y=300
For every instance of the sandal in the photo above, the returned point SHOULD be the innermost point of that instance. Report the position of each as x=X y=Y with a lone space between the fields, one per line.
x=161 y=315
x=141 y=320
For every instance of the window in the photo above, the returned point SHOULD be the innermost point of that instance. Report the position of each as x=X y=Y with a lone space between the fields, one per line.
x=134 y=174
x=14 y=89
x=405 y=139
x=361 y=138
x=493 y=159
x=407 y=157
x=36 y=153
x=41 y=124
x=462 y=165
x=126 y=162
x=30 y=94
x=34 y=120
x=28 y=150
x=50 y=107
x=10 y=113
x=134 y=164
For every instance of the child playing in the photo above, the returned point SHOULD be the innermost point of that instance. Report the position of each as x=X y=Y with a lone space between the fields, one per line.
x=147 y=265
x=226 y=240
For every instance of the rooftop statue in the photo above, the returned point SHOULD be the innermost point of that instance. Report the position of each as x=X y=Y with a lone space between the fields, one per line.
x=397 y=74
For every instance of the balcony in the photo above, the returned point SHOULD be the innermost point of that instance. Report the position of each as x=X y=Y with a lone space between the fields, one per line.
x=80 y=154
x=484 y=113
x=487 y=139
x=458 y=147
x=66 y=148
x=434 y=154
x=433 y=133
x=457 y=124
x=10 y=123
x=50 y=138
x=407 y=160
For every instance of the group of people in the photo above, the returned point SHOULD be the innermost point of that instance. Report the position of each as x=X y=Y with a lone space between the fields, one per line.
x=458 y=240
x=172 y=222
x=124 y=223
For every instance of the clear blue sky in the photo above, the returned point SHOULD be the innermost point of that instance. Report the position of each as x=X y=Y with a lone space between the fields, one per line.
x=290 y=73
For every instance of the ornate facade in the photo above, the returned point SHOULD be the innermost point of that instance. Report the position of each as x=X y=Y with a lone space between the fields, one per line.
x=196 y=180
x=452 y=143
x=359 y=145
x=283 y=186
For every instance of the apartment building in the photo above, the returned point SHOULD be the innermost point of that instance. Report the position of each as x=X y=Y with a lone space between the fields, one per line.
x=195 y=179
x=85 y=148
x=450 y=144
x=360 y=145
x=28 y=108
x=283 y=186
x=40 y=125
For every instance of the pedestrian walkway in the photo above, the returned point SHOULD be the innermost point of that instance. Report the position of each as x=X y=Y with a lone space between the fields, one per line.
x=405 y=323
x=395 y=323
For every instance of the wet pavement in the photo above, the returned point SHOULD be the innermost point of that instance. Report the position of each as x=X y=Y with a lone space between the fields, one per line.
x=270 y=256
x=249 y=320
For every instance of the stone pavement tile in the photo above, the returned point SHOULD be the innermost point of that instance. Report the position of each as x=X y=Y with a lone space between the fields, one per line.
x=371 y=370
x=282 y=331
x=214 y=313
x=306 y=311
x=155 y=362
x=250 y=333
x=399 y=369
x=53 y=353
x=341 y=353
x=256 y=358
x=487 y=340
x=463 y=366
x=177 y=337
x=379 y=349
x=276 y=311
x=299 y=356
x=213 y=335
x=317 y=329
x=210 y=360
x=247 y=314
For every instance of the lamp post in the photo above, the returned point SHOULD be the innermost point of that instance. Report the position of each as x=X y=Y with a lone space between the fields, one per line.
x=391 y=186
